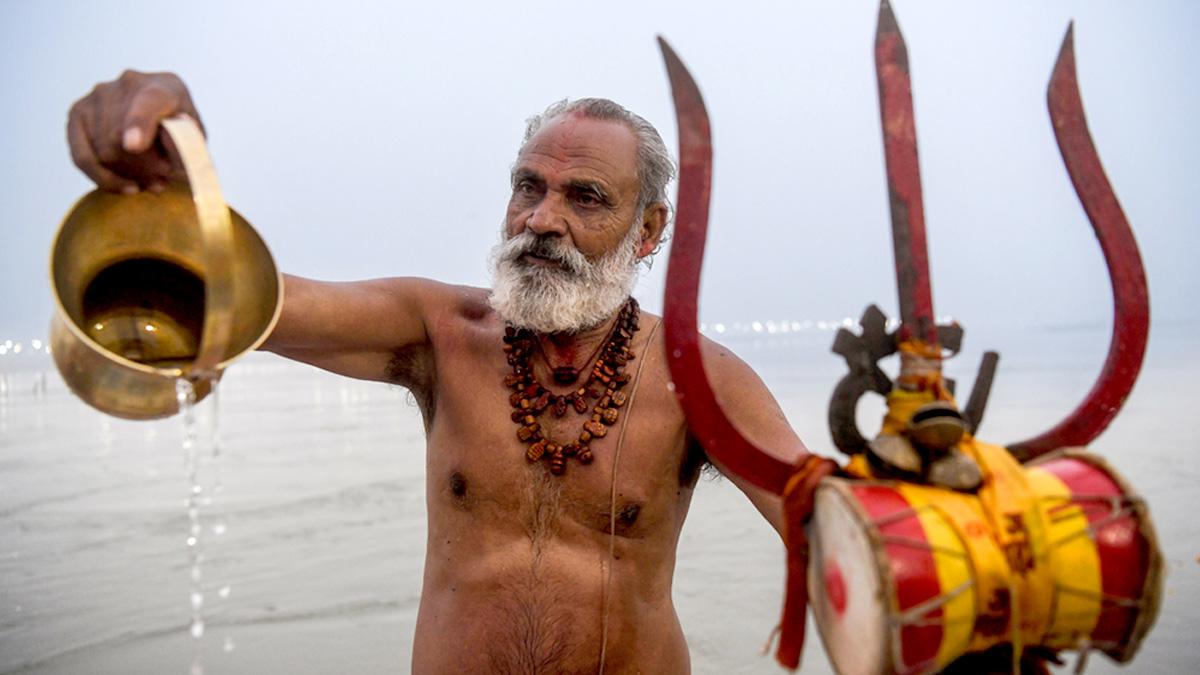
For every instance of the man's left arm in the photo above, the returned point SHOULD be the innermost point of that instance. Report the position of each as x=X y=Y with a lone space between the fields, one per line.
x=755 y=413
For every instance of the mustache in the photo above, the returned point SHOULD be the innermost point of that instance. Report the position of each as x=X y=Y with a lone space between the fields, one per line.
x=548 y=246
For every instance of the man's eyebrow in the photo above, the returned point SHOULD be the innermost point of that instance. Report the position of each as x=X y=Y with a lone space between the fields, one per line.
x=593 y=187
x=519 y=175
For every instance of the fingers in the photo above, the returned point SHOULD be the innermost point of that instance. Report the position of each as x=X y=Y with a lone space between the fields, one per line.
x=114 y=131
x=149 y=106
x=84 y=156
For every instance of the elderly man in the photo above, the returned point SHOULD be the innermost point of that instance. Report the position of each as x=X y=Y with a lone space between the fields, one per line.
x=559 y=466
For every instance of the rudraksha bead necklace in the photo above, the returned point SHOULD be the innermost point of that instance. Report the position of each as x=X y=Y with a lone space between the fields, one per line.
x=530 y=399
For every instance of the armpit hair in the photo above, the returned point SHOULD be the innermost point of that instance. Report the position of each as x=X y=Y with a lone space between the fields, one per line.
x=695 y=462
x=412 y=367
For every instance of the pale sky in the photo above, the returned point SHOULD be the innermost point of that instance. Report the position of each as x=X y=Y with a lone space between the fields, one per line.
x=374 y=139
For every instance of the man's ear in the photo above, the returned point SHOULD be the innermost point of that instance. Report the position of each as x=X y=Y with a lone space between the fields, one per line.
x=654 y=221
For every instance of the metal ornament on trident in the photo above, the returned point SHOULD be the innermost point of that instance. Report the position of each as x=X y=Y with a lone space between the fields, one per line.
x=930 y=545
x=151 y=288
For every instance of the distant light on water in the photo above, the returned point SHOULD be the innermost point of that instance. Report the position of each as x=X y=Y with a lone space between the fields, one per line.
x=13 y=347
x=777 y=327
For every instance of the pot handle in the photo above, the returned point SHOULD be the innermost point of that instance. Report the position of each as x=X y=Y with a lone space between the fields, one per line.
x=216 y=236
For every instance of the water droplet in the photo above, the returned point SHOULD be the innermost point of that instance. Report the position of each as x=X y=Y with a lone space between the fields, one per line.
x=192 y=541
x=197 y=628
x=197 y=599
x=224 y=591
x=227 y=645
x=670 y=386
x=218 y=527
x=677 y=353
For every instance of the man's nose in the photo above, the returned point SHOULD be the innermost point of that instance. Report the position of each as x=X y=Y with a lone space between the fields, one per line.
x=549 y=216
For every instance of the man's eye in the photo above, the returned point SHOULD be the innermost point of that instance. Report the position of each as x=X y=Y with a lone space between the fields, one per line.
x=588 y=199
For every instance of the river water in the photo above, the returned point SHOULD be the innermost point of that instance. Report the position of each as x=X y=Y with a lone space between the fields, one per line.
x=309 y=524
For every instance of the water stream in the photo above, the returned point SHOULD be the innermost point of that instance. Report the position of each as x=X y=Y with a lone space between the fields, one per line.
x=199 y=503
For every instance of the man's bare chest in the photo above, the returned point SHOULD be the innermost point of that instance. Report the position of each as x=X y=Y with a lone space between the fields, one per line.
x=480 y=465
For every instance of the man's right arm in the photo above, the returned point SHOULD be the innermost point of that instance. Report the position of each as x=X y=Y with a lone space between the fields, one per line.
x=353 y=329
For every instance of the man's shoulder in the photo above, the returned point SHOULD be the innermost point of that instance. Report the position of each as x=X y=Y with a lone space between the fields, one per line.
x=725 y=366
x=720 y=361
x=455 y=311
x=442 y=299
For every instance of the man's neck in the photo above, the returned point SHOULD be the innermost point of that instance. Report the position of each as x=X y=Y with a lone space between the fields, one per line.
x=577 y=349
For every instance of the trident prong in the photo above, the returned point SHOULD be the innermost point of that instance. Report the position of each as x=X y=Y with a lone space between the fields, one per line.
x=1131 y=299
x=705 y=417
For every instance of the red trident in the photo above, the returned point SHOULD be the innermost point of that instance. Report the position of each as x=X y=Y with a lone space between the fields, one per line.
x=708 y=421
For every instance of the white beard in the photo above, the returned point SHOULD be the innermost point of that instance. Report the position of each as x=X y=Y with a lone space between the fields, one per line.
x=576 y=296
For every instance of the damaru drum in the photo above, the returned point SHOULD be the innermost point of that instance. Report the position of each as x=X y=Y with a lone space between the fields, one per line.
x=906 y=578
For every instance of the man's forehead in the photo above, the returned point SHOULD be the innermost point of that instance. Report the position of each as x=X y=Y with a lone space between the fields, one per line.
x=575 y=143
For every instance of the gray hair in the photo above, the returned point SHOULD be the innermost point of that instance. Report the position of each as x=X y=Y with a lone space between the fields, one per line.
x=655 y=167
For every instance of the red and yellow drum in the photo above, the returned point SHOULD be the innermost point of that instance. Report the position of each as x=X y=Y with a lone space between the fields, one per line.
x=906 y=578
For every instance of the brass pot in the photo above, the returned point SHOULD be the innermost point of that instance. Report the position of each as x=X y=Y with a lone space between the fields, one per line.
x=151 y=288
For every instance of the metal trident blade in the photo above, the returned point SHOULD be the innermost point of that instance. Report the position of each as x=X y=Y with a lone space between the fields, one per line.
x=707 y=421
x=904 y=180
x=1131 y=315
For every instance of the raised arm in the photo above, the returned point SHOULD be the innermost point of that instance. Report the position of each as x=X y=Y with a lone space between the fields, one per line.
x=371 y=330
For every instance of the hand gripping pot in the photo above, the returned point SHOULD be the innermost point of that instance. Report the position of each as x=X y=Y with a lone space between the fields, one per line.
x=151 y=288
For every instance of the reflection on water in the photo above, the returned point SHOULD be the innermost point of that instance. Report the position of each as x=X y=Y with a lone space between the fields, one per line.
x=311 y=557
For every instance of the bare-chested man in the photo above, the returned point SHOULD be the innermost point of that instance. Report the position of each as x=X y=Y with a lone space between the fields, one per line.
x=551 y=540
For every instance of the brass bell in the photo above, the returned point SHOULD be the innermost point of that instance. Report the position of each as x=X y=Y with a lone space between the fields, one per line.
x=151 y=288
x=894 y=455
x=936 y=427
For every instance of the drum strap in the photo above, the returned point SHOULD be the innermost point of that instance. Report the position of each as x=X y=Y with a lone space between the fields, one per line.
x=797 y=508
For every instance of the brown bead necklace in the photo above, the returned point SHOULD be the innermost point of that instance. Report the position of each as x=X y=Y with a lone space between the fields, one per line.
x=530 y=399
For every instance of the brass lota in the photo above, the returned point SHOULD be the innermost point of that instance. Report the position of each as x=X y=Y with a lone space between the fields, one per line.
x=151 y=288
